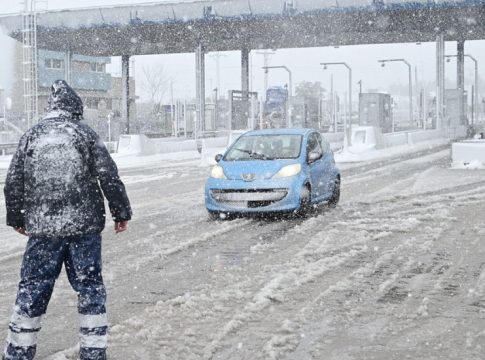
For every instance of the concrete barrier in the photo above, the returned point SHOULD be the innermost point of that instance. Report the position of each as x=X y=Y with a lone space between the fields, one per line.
x=336 y=140
x=334 y=137
x=135 y=145
x=210 y=147
x=417 y=136
x=366 y=138
x=395 y=139
x=216 y=142
x=363 y=137
x=163 y=146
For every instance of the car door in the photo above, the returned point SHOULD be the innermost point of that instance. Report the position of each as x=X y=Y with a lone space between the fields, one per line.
x=316 y=166
x=328 y=168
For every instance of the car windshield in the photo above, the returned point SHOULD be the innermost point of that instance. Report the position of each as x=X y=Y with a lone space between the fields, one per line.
x=265 y=147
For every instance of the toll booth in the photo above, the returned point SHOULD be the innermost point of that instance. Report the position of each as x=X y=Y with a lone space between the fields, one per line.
x=375 y=110
x=243 y=108
x=452 y=108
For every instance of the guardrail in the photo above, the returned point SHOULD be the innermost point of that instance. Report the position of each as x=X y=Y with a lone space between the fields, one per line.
x=7 y=146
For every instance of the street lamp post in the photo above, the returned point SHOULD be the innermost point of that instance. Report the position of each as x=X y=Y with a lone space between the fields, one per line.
x=109 y=132
x=383 y=63
x=475 y=95
x=290 y=86
x=347 y=126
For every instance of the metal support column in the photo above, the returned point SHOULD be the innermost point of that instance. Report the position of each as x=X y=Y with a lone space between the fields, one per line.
x=245 y=70
x=476 y=110
x=348 y=130
x=125 y=91
x=245 y=83
x=68 y=66
x=200 y=88
x=440 y=80
x=476 y=106
x=29 y=62
x=460 y=79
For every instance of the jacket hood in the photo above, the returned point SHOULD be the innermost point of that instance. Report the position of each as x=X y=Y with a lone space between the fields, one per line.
x=63 y=98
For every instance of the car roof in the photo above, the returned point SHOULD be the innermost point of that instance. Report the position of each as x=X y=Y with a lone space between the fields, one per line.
x=280 y=131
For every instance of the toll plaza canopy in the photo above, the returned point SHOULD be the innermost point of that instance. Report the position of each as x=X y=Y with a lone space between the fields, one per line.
x=219 y=25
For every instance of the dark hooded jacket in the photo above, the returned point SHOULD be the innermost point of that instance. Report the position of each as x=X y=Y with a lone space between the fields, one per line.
x=54 y=181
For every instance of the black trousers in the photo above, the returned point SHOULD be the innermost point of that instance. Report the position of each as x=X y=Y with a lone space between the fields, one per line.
x=41 y=266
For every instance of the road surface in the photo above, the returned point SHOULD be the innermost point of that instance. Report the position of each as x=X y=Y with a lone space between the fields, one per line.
x=396 y=271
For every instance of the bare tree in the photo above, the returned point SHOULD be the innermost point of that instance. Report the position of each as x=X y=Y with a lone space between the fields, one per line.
x=155 y=83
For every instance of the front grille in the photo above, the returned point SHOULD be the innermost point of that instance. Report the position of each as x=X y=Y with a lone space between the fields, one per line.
x=248 y=198
x=258 y=204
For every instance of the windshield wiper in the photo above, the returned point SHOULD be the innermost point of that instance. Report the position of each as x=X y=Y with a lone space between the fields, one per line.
x=255 y=154
x=260 y=156
x=244 y=151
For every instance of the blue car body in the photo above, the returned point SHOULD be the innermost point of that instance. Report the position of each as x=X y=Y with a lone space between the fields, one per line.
x=249 y=186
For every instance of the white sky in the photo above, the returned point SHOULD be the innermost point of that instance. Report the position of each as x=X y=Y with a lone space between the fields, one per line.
x=304 y=63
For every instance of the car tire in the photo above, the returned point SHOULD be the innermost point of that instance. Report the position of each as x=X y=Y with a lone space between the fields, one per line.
x=334 y=199
x=214 y=215
x=305 y=201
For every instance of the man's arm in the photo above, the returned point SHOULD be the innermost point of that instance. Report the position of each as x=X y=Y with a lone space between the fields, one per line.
x=14 y=189
x=112 y=186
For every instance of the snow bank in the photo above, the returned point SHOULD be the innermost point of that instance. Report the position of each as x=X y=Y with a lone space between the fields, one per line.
x=468 y=154
x=347 y=156
x=158 y=160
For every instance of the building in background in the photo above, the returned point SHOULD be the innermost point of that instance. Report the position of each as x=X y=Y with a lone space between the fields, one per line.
x=375 y=109
x=99 y=90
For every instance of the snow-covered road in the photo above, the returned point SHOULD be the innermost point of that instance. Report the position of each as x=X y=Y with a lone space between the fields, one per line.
x=396 y=271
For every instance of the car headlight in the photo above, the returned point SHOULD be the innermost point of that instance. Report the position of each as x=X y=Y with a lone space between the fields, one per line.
x=217 y=172
x=288 y=170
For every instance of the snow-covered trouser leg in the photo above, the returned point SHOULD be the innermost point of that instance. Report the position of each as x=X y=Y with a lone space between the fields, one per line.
x=41 y=266
x=22 y=337
x=83 y=266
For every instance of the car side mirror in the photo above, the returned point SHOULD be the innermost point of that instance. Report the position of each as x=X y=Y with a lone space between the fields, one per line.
x=314 y=156
x=218 y=157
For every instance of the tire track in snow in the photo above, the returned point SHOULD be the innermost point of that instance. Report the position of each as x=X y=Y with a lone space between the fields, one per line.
x=386 y=292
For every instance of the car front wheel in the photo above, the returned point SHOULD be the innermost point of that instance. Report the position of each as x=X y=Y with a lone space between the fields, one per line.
x=214 y=215
x=334 y=199
x=305 y=201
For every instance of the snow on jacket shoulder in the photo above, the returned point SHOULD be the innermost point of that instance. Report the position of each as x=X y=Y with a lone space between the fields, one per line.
x=53 y=182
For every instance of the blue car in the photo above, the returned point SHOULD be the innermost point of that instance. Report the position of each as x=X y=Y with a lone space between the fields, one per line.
x=273 y=170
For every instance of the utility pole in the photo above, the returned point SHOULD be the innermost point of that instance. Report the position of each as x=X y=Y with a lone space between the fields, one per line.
x=266 y=55
x=410 y=81
x=347 y=125
x=217 y=56
x=172 y=112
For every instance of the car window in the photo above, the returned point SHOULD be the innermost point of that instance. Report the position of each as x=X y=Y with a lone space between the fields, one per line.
x=313 y=143
x=265 y=147
x=323 y=143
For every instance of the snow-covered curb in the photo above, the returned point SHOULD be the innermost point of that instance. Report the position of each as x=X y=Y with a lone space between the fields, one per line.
x=357 y=155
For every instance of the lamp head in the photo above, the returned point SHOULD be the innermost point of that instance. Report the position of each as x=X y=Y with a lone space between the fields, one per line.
x=324 y=67
x=383 y=64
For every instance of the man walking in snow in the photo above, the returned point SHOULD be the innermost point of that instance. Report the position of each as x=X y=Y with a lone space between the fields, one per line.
x=53 y=195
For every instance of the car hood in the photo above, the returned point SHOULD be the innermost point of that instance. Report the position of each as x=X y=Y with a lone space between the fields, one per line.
x=254 y=169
